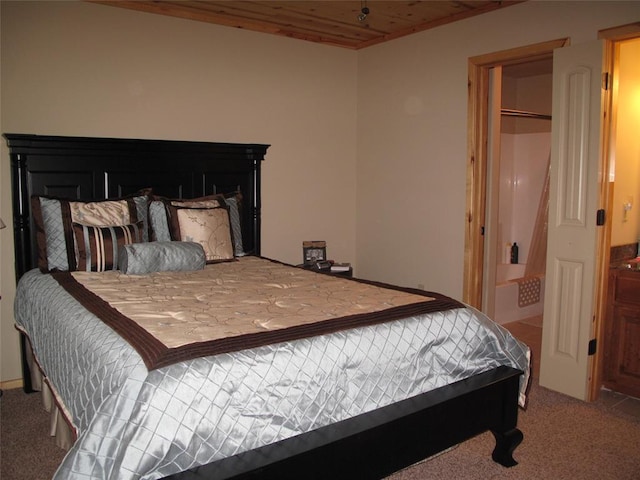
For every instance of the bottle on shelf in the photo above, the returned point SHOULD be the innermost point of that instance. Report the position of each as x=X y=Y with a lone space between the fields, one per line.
x=507 y=253
x=514 y=253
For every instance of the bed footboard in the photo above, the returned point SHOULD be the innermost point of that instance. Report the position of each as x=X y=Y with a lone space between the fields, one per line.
x=376 y=444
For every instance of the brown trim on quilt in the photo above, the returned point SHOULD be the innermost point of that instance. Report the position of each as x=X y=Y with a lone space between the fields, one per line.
x=149 y=348
x=155 y=354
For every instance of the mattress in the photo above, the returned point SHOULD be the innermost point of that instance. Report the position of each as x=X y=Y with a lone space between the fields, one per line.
x=134 y=422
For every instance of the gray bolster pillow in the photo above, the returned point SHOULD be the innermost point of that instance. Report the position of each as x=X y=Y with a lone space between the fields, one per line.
x=143 y=258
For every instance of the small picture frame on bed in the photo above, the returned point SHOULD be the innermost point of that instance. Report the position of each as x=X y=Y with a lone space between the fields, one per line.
x=314 y=251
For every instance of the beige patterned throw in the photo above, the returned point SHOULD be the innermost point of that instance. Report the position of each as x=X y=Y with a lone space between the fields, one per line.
x=236 y=298
x=174 y=316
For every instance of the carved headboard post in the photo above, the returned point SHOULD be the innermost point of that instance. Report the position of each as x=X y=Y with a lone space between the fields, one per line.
x=257 y=207
x=20 y=202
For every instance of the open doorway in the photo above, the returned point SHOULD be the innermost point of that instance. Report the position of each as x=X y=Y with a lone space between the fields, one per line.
x=482 y=96
x=518 y=191
x=513 y=104
x=620 y=370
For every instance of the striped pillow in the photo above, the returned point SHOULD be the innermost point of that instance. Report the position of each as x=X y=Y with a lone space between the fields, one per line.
x=96 y=248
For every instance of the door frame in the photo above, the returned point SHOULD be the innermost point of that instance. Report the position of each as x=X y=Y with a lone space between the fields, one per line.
x=478 y=157
x=611 y=36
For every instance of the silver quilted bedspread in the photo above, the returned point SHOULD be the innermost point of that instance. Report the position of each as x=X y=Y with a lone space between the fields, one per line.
x=133 y=423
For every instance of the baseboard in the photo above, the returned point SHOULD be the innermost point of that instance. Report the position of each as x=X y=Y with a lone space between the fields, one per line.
x=11 y=384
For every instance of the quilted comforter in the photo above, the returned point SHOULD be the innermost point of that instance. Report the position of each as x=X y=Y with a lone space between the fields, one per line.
x=135 y=422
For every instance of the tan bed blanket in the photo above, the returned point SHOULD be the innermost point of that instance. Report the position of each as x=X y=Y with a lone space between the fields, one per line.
x=174 y=316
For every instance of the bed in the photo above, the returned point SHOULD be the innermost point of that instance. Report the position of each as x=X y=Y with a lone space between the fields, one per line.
x=222 y=406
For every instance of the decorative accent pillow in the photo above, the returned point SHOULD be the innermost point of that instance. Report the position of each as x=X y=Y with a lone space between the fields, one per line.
x=210 y=227
x=97 y=247
x=159 y=211
x=159 y=222
x=202 y=202
x=54 y=218
x=160 y=206
x=235 y=204
x=143 y=258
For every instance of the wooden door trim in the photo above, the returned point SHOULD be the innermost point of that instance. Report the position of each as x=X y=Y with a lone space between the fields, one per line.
x=623 y=32
x=612 y=36
x=477 y=128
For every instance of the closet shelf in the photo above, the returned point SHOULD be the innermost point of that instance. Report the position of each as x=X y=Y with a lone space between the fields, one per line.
x=509 y=112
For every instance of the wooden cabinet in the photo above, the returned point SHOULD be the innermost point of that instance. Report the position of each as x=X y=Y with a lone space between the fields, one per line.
x=622 y=333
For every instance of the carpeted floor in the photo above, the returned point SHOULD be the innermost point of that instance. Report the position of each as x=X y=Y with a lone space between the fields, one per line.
x=563 y=439
x=27 y=452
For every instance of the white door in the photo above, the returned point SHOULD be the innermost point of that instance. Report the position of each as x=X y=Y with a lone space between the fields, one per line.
x=573 y=203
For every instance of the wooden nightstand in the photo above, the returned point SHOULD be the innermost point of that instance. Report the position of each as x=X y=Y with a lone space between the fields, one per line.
x=348 y=273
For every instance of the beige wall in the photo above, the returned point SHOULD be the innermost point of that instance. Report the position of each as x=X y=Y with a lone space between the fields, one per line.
x=75 y=68
x=532 y=94
x=368 y=148
x=412 y=134
x=627 y=147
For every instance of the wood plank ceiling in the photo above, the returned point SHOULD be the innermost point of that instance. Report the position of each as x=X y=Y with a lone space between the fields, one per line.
x=338 y=23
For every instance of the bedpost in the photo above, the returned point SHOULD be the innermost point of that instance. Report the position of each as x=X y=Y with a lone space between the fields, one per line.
x=27 y=386
x=507 y=436
x=22 y=239
x=257 y=205
x=506 y=443
x=21 y=226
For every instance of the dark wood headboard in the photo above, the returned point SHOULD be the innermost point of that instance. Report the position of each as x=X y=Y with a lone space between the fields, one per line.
x=99 y=168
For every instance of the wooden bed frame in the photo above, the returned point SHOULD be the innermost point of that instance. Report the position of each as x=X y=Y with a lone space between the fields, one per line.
x=371 y=445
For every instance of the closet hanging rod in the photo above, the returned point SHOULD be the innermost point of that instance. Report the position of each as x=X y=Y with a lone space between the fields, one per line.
x=522 y=113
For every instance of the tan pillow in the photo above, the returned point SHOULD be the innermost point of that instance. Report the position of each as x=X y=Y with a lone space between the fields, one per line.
x=160 y=228
x=103 y=213
x=160 y=211
x=196 y=203
x=210 y=227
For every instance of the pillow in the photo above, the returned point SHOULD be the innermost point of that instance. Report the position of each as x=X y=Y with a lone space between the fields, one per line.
x=158 y=222
x=143 y=258
x=159 y=207
x=97 y=248
x=54 y=217
x=202 y=202
x=235 y=203
x=210 y=227
x=159 y=210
